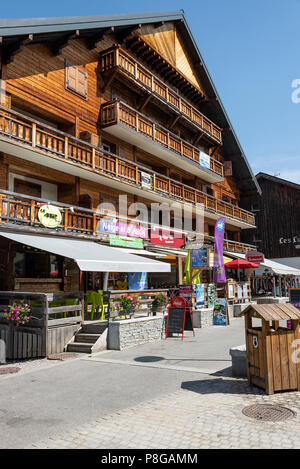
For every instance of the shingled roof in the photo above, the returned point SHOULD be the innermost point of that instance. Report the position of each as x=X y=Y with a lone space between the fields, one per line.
x=49 y=29
x=274 y=312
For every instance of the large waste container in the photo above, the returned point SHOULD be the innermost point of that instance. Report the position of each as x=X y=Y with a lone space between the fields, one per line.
x=272 y=362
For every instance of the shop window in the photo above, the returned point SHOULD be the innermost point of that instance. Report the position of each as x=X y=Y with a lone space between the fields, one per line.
x=76 y=80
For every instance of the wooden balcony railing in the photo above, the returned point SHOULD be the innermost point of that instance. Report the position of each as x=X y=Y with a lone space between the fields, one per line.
x=22 y=210
x=117 y=58
x=16 y=128
x=115 y=112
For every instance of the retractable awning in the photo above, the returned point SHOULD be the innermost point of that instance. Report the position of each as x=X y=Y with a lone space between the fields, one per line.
x=90 y=256
x=275 y=267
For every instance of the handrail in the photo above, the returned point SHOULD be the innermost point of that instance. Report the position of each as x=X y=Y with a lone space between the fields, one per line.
x=117 y=111
x=49 y=141
x=117 y=57
x=21 y=210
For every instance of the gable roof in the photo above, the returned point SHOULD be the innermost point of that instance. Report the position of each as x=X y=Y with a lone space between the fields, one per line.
x=87 y=25
x=278 y=180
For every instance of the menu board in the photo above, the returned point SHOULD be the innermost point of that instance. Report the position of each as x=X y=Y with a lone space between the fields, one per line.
x=179 y=317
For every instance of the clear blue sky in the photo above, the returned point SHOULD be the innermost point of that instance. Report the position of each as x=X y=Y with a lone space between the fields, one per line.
x=252 y=50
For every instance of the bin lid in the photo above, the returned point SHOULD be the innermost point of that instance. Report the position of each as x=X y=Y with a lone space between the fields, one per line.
x=274 y=312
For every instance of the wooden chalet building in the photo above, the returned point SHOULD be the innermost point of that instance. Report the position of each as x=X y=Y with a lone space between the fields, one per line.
x=94 y=107
x=277 y=213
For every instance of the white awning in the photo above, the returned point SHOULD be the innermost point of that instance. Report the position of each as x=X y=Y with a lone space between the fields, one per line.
x=268 y=265
x=90 y=256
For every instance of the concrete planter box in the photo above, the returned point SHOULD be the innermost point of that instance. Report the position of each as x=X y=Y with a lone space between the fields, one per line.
x=131 y=332
x=203 y=318
x=239 y=361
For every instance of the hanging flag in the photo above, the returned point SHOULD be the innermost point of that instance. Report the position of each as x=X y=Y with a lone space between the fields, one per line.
x=219 y=270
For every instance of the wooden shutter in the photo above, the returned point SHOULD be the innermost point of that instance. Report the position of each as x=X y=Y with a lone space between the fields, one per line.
x=227 y=168
x=76 y=79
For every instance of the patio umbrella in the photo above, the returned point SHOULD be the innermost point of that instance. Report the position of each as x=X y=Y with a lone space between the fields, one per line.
x=240 y=264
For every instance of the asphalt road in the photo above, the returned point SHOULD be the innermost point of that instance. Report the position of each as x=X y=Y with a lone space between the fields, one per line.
x=48 y=401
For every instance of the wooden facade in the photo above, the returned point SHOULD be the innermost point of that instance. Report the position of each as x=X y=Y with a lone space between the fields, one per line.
x=277 y=214
x=85 y=113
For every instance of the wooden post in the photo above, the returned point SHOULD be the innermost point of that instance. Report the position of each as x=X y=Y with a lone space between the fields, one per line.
x=66 y=147
x=32 y=212
x=93 y=158
x=180 y=270
x=33 y=135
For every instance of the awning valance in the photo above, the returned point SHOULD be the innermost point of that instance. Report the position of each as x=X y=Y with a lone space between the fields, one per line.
x=90 y=256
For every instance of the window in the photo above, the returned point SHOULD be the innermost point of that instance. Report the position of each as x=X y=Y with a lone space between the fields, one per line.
x=76 y=80
x=33 y=263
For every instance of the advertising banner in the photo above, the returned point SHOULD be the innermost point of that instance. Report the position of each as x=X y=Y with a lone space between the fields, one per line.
x=138 y=281
x=125 y=241
x=219 y=275
x=200 y=294
x=166 y=238
x=220 y=312
x=200 y=258
x=204 y=160
x=123 y=229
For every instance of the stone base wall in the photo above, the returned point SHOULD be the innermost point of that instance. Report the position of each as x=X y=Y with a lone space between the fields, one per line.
x=203 y=318
x=129 y=333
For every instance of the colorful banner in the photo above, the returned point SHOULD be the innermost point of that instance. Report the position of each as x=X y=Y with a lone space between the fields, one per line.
x=204 y=160
x=138 y=281
x=200 y=294
x=166 y=238
x=220 y=312
x=219 y=270
x=124 y=241
x=200 y=258
x=123 y=229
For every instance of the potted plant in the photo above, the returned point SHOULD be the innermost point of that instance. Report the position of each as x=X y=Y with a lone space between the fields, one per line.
x=17 y=314
x=128 y=303
x=159 y=303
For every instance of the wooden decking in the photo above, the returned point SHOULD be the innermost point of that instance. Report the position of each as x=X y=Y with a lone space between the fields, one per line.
x=18 y=129
x=118 y=59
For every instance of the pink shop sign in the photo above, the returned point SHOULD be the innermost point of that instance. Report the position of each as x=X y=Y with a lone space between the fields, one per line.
x=123 y=229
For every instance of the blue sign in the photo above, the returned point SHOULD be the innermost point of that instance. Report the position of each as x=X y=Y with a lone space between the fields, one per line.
x=200 y=294
x=138 y=281
x=199 y=258
x=220 y=312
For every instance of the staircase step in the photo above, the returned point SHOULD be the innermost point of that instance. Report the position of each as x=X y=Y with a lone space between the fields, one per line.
x=93 y=327
x=86 y=338
x=80 y=347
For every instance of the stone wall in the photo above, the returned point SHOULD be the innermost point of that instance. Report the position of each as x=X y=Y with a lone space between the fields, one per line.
x=203 y=318
x=129 y=333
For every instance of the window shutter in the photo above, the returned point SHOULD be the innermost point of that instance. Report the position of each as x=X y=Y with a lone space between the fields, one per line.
x=227 y=168
x=76 y=79
x=81 y=82
x=71 y=76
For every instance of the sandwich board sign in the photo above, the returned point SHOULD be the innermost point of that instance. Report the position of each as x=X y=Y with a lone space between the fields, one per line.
x=179 y=317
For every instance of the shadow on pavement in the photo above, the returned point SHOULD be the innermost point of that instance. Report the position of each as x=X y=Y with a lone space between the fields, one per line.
x=221 y=386
x=157 y=358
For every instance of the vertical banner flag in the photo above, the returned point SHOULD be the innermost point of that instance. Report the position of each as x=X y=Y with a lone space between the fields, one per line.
x=219 y=270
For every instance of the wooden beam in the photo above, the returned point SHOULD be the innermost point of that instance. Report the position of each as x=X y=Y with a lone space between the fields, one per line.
x=9 y=51
x=174 y=122
x=122 y=35
x=142 y=107
x=94 y=41
x=56 y=47
x=159 y=24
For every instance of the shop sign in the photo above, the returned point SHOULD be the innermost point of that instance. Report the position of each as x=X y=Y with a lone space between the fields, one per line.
x=220 y=312
x=204 y=160
x=49 y=216
x=255 y=256
x=146 y=180
x=200 y=294
x=166 y=238
x=125 y=241
x=200 y=258
x=123 y=229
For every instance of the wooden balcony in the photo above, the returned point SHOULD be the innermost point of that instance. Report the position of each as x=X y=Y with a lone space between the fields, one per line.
x=18 y=211
x=28 y=139
x=126 y=123
x=116 y=59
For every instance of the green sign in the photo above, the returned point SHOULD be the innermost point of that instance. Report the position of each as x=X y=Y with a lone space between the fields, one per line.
x=125 y=241
x=49 y=216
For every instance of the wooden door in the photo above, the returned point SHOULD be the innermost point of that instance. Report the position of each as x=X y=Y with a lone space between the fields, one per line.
x=256 y=357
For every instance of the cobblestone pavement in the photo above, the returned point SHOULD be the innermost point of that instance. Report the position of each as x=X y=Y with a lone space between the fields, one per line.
x=202 y=414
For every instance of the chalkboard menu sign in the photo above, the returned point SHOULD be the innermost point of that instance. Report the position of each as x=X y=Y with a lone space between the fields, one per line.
x=179 y=317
